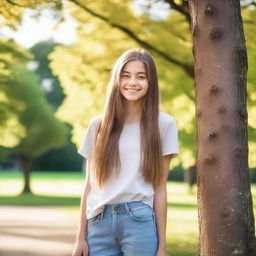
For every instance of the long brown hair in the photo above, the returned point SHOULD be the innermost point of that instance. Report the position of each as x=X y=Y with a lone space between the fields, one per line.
x=106 y=159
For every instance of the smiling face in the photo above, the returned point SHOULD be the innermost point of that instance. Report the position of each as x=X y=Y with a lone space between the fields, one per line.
x=134 y=81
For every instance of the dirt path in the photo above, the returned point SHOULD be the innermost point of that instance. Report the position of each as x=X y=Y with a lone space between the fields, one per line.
x=36 y=231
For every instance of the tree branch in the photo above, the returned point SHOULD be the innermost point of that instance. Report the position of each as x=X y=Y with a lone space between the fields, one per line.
x=183 y=8
x=186 y=67
x=16 y=4
x=189 y=95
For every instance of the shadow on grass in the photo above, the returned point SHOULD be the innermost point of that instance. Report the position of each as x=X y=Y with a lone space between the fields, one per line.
x=39 y=200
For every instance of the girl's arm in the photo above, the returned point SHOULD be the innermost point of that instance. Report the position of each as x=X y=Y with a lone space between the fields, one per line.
x=160 y=207
x=81 y=245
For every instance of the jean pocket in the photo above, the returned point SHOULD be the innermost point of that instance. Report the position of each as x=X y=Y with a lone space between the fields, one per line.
x=142 y=213
x=92 y=221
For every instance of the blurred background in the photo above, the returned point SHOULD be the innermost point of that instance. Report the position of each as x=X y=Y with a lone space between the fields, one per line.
x=55 y=63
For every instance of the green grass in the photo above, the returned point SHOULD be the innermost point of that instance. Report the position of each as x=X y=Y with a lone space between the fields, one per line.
x=43 y=175
x=39 y=200
x=64 y=189
x=49 y=188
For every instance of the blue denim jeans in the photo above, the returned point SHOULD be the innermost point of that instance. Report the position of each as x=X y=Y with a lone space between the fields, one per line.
x=127 y=229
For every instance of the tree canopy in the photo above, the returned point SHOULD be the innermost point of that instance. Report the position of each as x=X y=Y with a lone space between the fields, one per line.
x=103 y=34
x=28 y=121
x=84 y=68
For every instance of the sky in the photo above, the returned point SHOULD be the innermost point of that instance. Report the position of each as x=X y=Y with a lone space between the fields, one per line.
x=32 y=31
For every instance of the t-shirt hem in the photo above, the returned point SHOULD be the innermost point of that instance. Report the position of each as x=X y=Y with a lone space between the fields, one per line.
x=84 y=154
x=170 y=153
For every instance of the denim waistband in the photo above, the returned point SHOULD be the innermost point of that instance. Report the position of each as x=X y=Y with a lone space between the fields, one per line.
x=123 y=208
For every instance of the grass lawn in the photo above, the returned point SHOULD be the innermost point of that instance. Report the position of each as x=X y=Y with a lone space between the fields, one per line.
x=64 y=189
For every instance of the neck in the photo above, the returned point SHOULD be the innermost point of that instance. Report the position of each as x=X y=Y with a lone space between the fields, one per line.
x=133 y=112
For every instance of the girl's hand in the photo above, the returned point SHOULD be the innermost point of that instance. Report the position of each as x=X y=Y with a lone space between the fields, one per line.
x=81 y=248
x=162 y=253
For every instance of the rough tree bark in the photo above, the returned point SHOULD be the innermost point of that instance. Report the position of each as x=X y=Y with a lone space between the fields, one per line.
x=226 y=220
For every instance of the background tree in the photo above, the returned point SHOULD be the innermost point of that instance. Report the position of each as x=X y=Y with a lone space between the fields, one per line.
x=50 y=83
x=63 y=158
x=11 y=130
x=219 y=50
x=41 y=130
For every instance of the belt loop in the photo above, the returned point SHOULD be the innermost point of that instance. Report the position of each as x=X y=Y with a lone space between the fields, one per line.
x=102 y=213
x=127 y=207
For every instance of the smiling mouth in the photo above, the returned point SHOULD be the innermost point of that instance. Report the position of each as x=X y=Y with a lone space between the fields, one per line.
x=132 y=89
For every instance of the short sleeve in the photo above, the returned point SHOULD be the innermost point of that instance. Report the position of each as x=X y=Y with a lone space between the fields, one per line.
x=87 y=145
x=170 y=139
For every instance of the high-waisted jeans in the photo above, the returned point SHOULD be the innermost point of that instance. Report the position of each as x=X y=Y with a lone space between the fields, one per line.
x=127 y=229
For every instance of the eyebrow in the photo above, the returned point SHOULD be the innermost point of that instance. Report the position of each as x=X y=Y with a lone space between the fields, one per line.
x=140 y=72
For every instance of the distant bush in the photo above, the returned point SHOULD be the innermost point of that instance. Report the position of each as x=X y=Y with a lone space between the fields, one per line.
x=253 y=175
x=176 y=174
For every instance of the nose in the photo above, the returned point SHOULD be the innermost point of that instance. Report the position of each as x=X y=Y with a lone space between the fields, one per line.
x=133 y=82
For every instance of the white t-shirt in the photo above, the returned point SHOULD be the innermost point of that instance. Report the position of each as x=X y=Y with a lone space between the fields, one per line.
x=129 y=185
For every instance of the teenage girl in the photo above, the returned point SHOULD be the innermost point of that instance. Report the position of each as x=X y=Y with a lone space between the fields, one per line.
x=128 y=150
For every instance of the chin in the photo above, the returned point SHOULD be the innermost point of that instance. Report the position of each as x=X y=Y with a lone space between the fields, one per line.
x=133 y=99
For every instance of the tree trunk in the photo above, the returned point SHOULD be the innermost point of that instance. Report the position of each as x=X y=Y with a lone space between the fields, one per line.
x=26 y=165
x=226 y=221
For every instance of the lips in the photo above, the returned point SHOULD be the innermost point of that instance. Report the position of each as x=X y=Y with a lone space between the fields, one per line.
x=132 y=89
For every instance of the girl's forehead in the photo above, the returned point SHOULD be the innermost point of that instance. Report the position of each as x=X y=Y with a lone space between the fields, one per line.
x=134 y=65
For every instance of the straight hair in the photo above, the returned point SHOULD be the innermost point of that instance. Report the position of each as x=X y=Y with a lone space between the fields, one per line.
x=106 y=160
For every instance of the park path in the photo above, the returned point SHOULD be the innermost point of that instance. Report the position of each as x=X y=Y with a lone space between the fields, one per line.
x=37 y=231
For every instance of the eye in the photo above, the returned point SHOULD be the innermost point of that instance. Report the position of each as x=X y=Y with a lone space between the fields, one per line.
x=124 y=76
x=141 y=77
